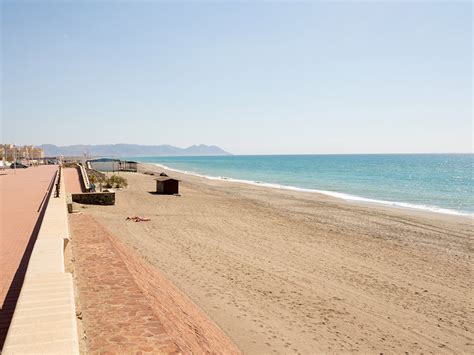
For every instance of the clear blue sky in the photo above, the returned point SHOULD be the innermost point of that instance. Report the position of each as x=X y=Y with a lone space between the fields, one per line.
x=253 y=78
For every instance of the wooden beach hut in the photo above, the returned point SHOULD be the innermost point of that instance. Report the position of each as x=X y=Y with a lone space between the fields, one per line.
x=166 y=185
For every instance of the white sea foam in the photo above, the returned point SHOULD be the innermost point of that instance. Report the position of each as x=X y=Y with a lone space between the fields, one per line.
x=340 y=195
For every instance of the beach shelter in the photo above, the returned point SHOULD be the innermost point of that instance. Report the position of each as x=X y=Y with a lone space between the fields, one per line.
x=166 y=185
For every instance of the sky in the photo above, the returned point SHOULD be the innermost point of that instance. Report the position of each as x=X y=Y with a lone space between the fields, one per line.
x=250 y=77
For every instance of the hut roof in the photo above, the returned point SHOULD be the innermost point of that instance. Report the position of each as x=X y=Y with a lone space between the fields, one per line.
x=165 y=178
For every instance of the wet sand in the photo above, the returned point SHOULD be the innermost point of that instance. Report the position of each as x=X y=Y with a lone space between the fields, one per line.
x=293 y=272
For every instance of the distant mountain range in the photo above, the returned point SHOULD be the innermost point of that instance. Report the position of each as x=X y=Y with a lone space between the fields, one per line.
x=131 y=150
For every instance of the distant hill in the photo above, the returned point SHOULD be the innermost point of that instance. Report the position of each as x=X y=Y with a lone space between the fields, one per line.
x=131 y=150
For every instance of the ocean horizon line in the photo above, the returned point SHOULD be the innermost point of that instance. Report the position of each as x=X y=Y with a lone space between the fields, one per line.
x=292 y=154
x=273 y=155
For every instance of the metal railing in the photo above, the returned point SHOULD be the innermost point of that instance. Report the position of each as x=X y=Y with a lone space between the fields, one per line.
x=58 y=183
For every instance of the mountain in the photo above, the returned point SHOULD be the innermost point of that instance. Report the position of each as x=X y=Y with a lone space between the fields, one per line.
x=131 y=150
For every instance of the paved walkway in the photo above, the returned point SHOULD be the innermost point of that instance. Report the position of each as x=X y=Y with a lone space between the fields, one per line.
x=130 y=307
x=117 y=317
x=21 y=200
x=72 y=181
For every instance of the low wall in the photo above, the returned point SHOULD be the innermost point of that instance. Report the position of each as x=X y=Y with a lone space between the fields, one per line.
x=95 y=198
x=84 y=177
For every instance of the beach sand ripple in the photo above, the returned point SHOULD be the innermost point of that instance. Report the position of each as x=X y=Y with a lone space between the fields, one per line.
x=293 y=272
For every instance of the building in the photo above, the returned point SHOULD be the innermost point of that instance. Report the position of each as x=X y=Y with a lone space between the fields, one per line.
x=104 y=164
x=24 y=152
x=37 y=153
x=167 y=186
x=10 y=152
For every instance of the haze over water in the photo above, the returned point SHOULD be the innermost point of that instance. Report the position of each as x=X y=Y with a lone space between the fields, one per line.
x=436 y=182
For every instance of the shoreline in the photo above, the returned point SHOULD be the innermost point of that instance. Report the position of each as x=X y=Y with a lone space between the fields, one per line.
x=338 y=195
x=293 y=272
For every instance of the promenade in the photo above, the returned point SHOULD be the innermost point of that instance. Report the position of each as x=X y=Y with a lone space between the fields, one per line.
x=127 y=306
x=22 y=197
x=126 y=322
x=72 y=181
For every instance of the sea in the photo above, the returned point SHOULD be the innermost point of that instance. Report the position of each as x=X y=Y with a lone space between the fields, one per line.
x=433 y=182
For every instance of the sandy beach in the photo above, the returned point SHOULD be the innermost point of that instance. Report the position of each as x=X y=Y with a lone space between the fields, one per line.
x=293 y=272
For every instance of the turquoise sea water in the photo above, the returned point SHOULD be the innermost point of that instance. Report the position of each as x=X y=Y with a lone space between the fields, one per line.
x=437 y=182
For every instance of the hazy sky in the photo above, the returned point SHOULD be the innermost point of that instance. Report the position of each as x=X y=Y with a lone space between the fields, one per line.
x=253 y=78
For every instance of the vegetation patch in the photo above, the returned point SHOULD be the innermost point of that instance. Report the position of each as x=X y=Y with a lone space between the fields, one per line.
x=115 y=181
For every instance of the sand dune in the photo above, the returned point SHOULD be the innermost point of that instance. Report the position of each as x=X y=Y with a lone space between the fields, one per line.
x=292 y=272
